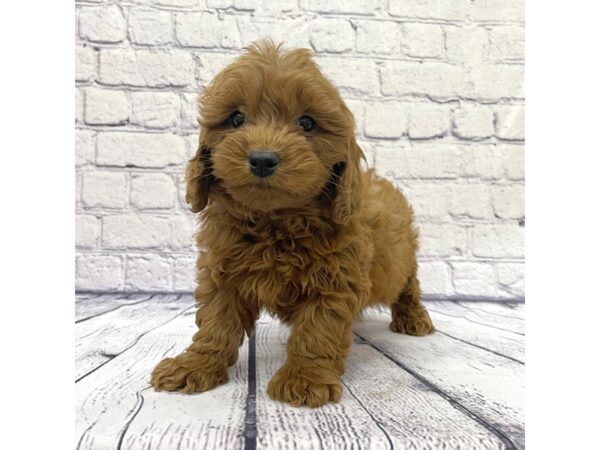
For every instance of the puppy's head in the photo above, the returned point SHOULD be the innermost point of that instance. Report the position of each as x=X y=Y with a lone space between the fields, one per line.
x=275 y=134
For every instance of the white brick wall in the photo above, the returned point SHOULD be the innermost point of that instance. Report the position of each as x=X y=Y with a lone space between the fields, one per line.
x=436 y=88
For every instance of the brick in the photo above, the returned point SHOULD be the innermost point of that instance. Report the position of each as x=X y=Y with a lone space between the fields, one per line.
x=497 y=81
x=102 y=24
x=385 y=120
x=85 y=147
x=98 y=272
x=152 y=191
x=135 y=231
x=175 y=3
x=416 y=161
x=266 y=8
x=293 y=32
x=106 y=107
x=383 y=37
x=426 y=121
x=87 y=231
x=508 y=201
x=357 y=76
x=150 y=27
x=492 y=162
x=220 y=4
x=357 y=107
x=466 y=45
x=79 y=105
x=104 y=190
x=153 y=150
x=155 y=109
x=442 y=240
x=189 y=111
x=182 y=232
x=498 y=241
x=155 y=68
x=423 y=40
x=429 y=200
x=513 y=162
x=211 y=64
x=367 y=7
x=507 y=43
x=496 y=10
x=331 y=35
x=151 y=272
x=471 y=201
x=429 y=9
x=369 y=152
x=425 y=78
x=474 y=279
x=511 y=279
x=85 y=63
x=473 y=122
x=435 y=278
x=206 y=30
x=478 y=161
x=510 y=122
x=184 y=274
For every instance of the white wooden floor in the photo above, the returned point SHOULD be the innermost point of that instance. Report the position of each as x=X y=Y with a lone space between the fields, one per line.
x=461 y=387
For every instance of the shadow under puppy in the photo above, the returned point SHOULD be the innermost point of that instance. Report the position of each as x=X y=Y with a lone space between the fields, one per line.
x=290 y=224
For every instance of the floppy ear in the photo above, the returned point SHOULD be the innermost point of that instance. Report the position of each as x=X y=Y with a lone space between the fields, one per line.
x=347 y=179
x=198 y=176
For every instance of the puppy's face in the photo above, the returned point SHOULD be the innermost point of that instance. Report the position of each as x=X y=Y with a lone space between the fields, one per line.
x=275 y=132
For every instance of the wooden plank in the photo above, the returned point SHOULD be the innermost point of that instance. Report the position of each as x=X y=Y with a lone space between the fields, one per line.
x=89 y=307
x=488 y=386
x=105 y=335
x=502 y=309
x=456 y=310
x=280 y=426
x=503 y=343
x=383 y=406
x=117 y=409
x=412 y=415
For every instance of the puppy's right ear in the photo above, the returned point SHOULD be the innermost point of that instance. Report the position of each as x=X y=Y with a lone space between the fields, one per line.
x=198 y=176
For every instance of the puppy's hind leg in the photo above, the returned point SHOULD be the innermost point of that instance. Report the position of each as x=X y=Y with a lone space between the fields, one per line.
x=409 y=316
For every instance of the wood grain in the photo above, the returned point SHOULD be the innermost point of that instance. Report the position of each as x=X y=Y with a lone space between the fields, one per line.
x=500 y=342
x=488 y=386
x=280 y=426
x=382 y=407
x=457 y=310
x=461 y=387
x=87 y=307
x=105 y=335
x=118 y=409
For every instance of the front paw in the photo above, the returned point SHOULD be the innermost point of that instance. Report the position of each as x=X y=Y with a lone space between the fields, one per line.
x=417 y=323
x=187 y=373
x=294 y=386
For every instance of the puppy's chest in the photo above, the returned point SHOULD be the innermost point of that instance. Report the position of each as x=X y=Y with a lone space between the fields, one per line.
x=279 y=271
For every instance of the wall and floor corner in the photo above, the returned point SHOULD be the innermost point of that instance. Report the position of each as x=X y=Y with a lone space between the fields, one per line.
x=436 y=88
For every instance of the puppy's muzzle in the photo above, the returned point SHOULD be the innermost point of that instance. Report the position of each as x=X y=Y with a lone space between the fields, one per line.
x=263 y=163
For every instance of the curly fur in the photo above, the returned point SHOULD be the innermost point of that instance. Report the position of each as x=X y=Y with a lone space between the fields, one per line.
x=313 y=244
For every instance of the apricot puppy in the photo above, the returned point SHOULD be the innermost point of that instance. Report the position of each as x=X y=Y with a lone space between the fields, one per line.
x=291 y=224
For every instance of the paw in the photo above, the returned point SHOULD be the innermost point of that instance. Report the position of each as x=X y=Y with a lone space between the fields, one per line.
x=187 y=373
x=289 y=385
x=418 y=323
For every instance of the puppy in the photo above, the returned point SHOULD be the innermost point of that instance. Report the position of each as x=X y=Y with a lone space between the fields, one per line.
x=290 y=224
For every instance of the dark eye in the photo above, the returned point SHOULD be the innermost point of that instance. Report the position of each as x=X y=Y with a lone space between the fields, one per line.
x=237 y=119
x=307 y=123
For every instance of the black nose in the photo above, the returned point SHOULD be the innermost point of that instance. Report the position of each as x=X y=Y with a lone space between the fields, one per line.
x=263 y=162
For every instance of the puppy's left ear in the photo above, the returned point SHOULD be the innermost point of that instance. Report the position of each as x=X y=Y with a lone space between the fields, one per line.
x=198 y=176
x=347 y=178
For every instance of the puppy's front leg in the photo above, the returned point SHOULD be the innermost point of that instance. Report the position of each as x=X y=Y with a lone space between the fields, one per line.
x=316 y=352
x=203 y=365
